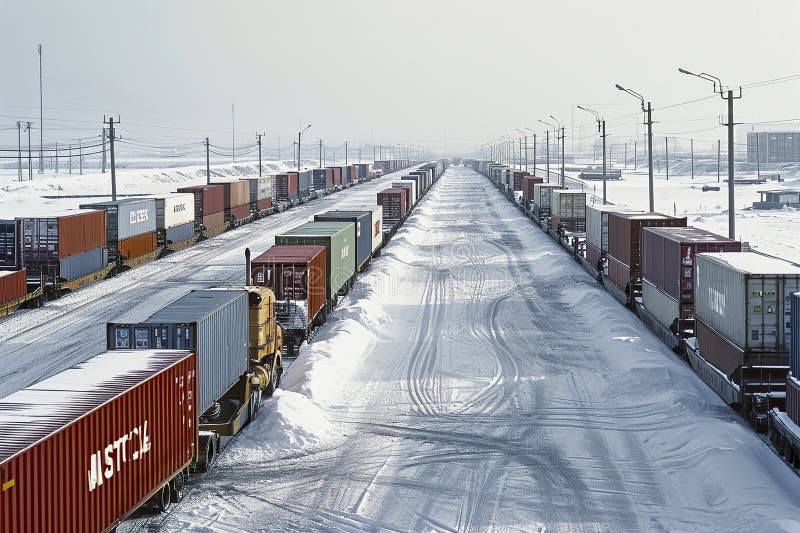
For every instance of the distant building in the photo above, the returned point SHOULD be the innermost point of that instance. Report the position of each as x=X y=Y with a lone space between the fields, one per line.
x=773 y=146
x=777 y=199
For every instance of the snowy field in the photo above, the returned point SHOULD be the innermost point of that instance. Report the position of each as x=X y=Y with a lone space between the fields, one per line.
x=477 y=379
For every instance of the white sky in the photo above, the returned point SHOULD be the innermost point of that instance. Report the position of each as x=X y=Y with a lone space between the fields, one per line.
x=414 y=71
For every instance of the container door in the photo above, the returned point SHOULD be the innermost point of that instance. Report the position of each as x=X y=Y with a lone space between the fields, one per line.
x=287 y=283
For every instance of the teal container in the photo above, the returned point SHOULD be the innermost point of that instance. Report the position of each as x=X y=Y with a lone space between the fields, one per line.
x=339 y=240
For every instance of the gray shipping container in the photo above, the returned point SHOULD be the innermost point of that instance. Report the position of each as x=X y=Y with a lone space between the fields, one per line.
x=660 y=304
x=212 y=323
x=77 y=266
x=260 y=188
x=746 y=297
x=127 y=218
x=597 y=223
x=180 y=233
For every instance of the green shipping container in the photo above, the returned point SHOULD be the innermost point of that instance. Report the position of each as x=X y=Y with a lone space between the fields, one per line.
x=339 y=240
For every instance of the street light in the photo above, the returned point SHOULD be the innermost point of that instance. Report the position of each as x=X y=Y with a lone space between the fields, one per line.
x=534 y=149
x=547 y=143
x=525 y=137
x=649 y=111
x=562 y=148
x=601 y=128
x=730 y=97
x=299 y=134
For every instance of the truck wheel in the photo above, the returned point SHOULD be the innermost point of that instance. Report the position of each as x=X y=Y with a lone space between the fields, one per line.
x=207 y=459
x=163 y=498
x=273 y=381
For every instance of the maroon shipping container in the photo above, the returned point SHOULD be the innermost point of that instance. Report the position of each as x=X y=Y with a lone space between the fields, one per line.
x=240 y=212
x=13 y=285
x=793 y=400
x=394 y=204
x=294 y=273
x=337 y=175
x=518 y=175
x=593 y=255
x=668 y=257
x=86 y=447
x=329 y=180
x=237 y=193
x=285 y=186
x=264 y=203
x=353 y=173
x=208 y=200
x=527 y=188
x=625 y=243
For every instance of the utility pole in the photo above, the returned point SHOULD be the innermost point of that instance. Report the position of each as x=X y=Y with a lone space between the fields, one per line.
x=41 y=115
x=208 y=164
x=70 y=159
x=258 y=136
x=758 y=158
x=562 y=156
x=233 y=134
x=373 y=153
x=534 y=154
x=30 y=162
x=111 y=137
x=345 y=153
x=56 y=157
x=601 y=128
x=718 y=159
x=666 y=153
x=279 y=147
x=626 y=156
x=547 y=141
x=103 y=135
x=19 y=150
x=80 y=157
x=526 y=153
x=691 y=147
x=359 y=155
x=320 y=154
x=635 y=157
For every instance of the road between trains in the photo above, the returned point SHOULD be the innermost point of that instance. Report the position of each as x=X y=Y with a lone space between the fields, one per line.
x=505 y=391
x=37 y=343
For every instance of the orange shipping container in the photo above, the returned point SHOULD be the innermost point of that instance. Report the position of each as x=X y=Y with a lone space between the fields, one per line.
x=13 y=285
x=137 y=246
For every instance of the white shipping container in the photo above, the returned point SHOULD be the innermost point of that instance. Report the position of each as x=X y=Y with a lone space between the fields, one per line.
x=746 y=297
x=597 y=223
x=408 y=184
x=660 y=304
x=174 y=210
x=568 y=203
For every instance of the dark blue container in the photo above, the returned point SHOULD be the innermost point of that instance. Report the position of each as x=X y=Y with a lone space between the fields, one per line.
x=318 y=179
x=8 y=243
x=794 y=325
x=363 y=222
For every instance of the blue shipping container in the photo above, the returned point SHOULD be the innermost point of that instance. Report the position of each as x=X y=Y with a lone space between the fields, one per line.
x=77 y=266
x=180 y=233
x=363 y=227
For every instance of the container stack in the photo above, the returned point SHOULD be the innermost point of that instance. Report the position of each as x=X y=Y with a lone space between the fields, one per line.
x=362 y=171
x=625 y=246
x=568 y=210
x=742 y=314
x=518 y=175
x=13 y=285
x=668 y=272
x=319 y=180
x=393 y=202
x=175 y=218
x=236 y=201
x=209 y=204
x=362 y=222
x=286 y=187
x=527 y=189
x=541 y=199
x=130 y=227
x=260 y=194
x=597 y=233
x=63 y=246
x=411 y=187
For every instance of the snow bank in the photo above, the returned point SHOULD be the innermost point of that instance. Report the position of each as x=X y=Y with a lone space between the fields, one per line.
x=289 y=423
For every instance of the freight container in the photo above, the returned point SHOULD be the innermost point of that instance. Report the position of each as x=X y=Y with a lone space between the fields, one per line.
x=59 y=235
x=412 y=188
x=260 y=193
x=518 y=175
x=180 y=233
x=665 y=308
x=174 y=210
x=126 y=218
x=568 y=210
x=595 y=258
x=527 y=188
x=541 y=198
x=393 y=202
x=794 y=326
x=353 y=173
x=285 y=187
x=209 y=204
x=745 y=298
x=297 y=275
x=362 y=170
x=13 y=285
x=362 y=222
x=86 y=447
x=418 y=180
x=339 y=239
x=624 y=246
x=137 y=246
x=597 y=223
x=319 y=178
x=212 y=323
x=347 y=179
x=8 y=243
x=337 y=176
x=793 y=398
x=668 y=257
x=73 y=267
x=236 y=200
x=304 y=179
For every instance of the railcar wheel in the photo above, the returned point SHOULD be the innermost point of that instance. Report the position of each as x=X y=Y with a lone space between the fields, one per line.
x=178 y=485
x=163 y=498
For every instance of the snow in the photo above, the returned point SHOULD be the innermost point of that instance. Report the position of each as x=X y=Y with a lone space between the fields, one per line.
x=477 y=378
x=753 y=263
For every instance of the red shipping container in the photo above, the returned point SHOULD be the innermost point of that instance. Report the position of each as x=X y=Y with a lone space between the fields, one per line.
x=337 y=175
x=264 y=203
x=793 y=400
x=394 y=204
x=518 y=175
x=240 y=212
x=86 y=447
x=625 y=240
x=13 y=285
x=329 y=179
x=137 y=246
x=527 y=187
x=353 y=173
x=208 y=200
x=80 y=233
x=593 y=255
x=294 y=273
x=619 y=273
x=236 y=193
x=668 y=257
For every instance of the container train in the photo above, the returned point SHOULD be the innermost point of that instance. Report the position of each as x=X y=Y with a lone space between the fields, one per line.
x=732 y=312
x=64 y=251
x=136 y=422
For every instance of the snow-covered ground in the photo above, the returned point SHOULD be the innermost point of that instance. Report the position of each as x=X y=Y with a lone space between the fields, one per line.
x=477 y=379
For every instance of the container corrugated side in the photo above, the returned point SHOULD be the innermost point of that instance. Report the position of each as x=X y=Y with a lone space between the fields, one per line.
x=212 y=323
x=82 y=449
x=174 y=210
x=793 y=399
x=795 y=334
x=180 y=233
x=208 y=200
x=660 y=304
x=127 y=218
x=137 y=246
x=13 y=285
x=362 y=221
x=410 y=185
x=746 y=298
x=393 y=202
x=77 y=266
x=597 y=223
